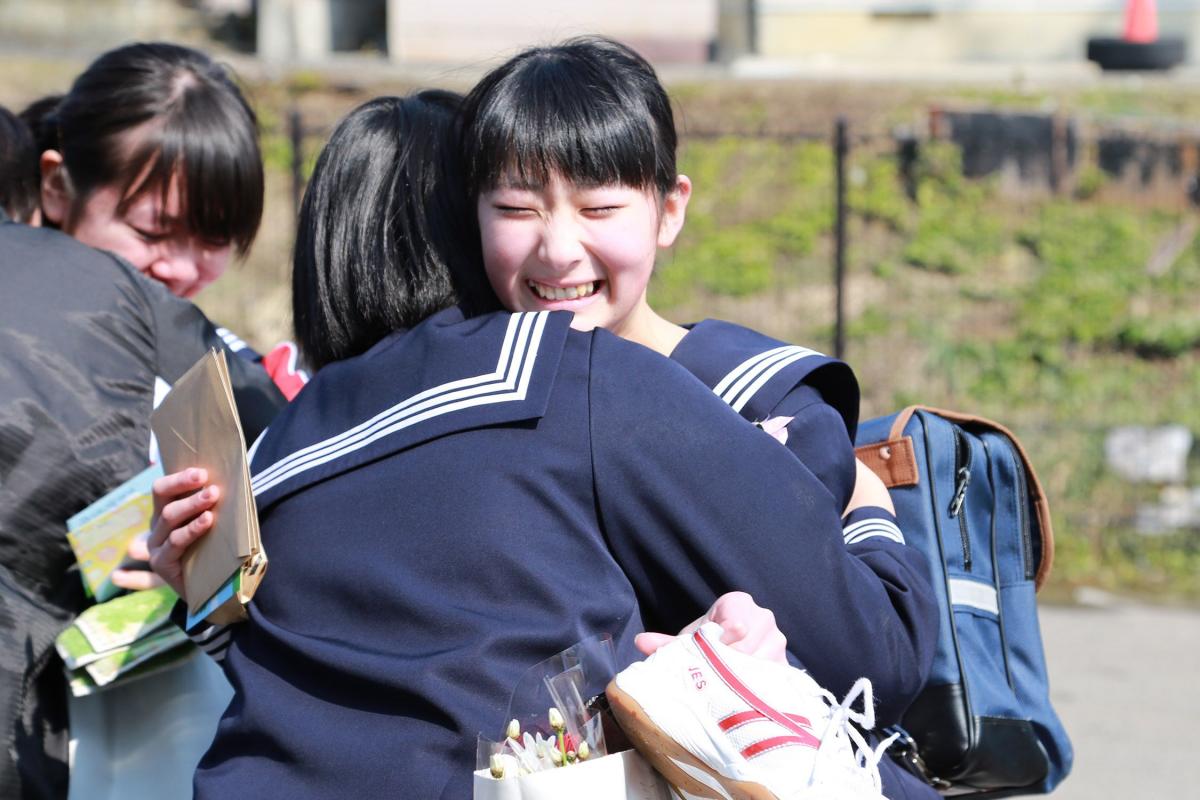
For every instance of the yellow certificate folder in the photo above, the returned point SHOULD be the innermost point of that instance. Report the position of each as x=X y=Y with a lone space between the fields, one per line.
x=100 y=534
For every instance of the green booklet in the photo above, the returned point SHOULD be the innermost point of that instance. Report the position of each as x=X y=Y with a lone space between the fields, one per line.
x=83 y=684
x=116 y=626
x=123 y=620
x=111 y=666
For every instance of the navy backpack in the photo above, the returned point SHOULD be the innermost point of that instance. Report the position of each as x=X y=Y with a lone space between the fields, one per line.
x=967 y=497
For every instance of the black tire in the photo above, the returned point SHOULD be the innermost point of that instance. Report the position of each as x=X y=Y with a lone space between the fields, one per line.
x=1118 y=54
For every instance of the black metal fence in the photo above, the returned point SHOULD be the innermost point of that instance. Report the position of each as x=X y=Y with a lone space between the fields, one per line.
x=1034 y=155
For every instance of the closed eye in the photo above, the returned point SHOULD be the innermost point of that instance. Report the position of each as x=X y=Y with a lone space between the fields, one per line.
x=512 y=210
x=601 y=211
x=151 y=237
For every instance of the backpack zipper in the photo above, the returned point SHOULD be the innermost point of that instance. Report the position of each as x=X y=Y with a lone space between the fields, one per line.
x=962 y=477
x=1004 y=651
x=1023 y=515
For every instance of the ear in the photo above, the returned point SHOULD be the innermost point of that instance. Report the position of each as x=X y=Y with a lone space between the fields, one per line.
x=56 y=190
x=674 y=211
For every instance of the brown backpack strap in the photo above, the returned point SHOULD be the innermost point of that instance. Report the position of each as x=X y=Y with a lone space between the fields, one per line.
x=895 y=463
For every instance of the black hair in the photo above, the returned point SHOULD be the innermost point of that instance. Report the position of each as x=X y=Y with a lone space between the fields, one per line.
x=385 y=235
x=589 y=109
x=38 y=115
x=192 y=122
x=19 y=179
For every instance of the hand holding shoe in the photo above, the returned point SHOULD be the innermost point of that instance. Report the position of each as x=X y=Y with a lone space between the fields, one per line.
x=746 y=627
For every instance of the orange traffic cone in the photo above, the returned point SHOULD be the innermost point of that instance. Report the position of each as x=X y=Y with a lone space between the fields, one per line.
x=1141 y=21
x=1139 y=47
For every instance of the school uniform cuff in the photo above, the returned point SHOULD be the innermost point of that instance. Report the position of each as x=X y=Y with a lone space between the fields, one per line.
x=212 y=639
x=869 y=522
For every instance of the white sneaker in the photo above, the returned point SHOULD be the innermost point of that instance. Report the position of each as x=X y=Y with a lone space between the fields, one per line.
x=720 y=724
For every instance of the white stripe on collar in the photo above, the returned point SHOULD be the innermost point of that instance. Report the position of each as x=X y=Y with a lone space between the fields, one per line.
x=744 y=381
x=508 y=382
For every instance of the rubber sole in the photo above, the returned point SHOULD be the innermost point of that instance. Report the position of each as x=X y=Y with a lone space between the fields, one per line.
x=666 y=754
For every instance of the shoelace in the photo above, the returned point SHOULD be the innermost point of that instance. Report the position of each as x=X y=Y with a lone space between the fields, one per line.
x=839 y=729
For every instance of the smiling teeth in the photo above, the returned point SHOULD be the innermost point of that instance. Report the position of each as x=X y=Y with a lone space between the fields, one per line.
x=562 y=293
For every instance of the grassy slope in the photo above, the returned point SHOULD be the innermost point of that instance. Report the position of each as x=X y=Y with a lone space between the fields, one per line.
x=1038 y=312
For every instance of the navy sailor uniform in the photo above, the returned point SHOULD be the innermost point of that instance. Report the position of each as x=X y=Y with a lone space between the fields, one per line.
x=760 y=378
x=470 y=497
x=763 y=378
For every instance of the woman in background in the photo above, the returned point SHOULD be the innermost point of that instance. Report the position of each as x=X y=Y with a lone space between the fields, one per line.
x=153 y=155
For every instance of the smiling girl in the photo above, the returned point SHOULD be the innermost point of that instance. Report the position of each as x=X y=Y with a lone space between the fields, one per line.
x=153 y=155
x=571 y=159
x=570 y=154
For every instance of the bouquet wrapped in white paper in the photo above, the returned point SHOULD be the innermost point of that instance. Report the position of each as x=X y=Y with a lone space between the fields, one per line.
x=556 y=741
x=612 y=777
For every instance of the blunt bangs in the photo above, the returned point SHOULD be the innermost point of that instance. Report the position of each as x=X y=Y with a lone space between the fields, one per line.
x=148 y=114
x=207 y=144
x=590 y=110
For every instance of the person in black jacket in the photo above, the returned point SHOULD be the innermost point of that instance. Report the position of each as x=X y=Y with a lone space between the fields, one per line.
x=87 y=344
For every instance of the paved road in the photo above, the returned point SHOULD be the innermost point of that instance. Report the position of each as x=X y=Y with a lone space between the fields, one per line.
x=1126 y=681
x=1124 y=678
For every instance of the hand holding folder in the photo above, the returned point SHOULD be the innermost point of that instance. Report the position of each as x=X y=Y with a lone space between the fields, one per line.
x=197 y=426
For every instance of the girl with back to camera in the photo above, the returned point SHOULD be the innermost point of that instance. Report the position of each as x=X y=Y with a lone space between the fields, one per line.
x=570 y=158
x=465 y=498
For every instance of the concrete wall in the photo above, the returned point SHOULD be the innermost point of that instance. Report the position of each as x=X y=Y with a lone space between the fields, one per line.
x=96 y=24
x=469 y=31
x=932 y=31
x=294 y=30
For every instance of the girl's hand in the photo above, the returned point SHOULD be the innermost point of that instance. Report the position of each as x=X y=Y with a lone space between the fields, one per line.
x=748 y=628
x=138 y=576
x=182 y=514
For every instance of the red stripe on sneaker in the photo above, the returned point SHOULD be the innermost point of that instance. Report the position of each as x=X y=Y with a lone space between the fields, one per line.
x=751 y=699
x=758 y=748
x=743 y=717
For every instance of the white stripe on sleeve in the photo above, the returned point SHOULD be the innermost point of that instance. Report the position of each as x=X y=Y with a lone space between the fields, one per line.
x=868 y=528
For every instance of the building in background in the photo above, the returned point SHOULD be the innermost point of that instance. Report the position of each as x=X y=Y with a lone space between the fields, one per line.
x=96 y=24
x=694 y=31
x=948 y=31
x=471 y=32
